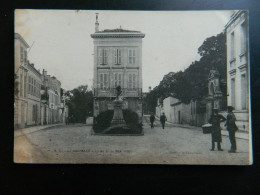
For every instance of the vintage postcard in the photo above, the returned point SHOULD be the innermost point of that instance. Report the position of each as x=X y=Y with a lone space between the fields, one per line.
x=132 y=87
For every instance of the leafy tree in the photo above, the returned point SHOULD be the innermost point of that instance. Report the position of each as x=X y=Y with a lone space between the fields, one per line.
x=193 y=82
x=80 y=103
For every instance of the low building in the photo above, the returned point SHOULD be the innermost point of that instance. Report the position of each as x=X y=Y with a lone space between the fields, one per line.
x=176 y=111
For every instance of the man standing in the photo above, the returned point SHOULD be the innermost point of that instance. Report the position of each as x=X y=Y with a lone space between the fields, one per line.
x=152 y=119
x=163 y=119
x=215 y=120
x=232 y=128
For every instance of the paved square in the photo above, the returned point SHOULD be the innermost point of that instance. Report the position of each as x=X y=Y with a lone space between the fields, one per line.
x=172 y=145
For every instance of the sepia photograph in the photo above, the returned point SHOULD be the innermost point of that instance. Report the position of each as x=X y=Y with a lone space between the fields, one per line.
x=132 y=87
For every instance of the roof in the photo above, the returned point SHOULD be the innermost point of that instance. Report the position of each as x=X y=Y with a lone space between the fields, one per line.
x=118 y=33
x=233 y=17
x=18 y=36
x=118 y=30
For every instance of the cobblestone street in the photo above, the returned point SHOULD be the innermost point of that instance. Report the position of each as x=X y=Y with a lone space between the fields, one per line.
x=172 y=145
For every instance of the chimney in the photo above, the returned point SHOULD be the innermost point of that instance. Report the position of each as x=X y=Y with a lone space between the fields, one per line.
x=44 y=72
x=96 y=24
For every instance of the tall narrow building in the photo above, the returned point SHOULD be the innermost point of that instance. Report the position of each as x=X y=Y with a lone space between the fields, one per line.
x=117 y=62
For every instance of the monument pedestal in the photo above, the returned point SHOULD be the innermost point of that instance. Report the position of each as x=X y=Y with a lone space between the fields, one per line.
x=118 y=119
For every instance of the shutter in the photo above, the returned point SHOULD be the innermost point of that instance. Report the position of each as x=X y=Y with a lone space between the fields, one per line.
x=100 y=56
x=130 y=56
x=101 y=81
x=105 y=56
x=120 y=79
x=134 y=81
x=115 y=79
x=105 y=81
x=134 y=56
x=119 y=56
x=115 y=56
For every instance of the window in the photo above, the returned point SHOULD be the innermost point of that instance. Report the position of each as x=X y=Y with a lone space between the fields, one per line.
x=34 y=87
x=118 y=79
x=103 y=55
x=21 y=85
x=132 y=56
x=25 y=56
x=243 y=38
x=132 y=81
x=103 y=81
x=232 y=46
x=118 y=58
x=233 y=95
x=22 y=53
x=25 y=86
x=244 y=92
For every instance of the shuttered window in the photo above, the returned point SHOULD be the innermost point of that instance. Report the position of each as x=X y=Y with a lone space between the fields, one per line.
x=118 y=56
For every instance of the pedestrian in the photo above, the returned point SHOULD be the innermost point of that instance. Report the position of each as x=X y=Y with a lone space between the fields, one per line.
x=152 y=119
x=163 y=119
x=232 y=128
x=215 y=120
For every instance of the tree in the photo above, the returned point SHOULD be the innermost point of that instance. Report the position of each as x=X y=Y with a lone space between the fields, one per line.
x=192 y=84
x=80 y=103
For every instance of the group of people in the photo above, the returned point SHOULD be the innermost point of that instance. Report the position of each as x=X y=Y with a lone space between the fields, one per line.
x=163 y=119
x=215 y=120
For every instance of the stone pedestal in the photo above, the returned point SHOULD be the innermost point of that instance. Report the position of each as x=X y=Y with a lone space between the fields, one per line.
x=118 y=119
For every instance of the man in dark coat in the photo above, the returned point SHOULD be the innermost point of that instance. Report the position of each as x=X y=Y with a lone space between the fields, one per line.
x=215 y=120
x=232 y=128
x=152 y=119
x=163 y=119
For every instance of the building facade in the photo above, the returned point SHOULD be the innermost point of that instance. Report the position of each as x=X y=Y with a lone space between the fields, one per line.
x=38 y=100
x=21 y=72
x=51 y=99
x=238 y=67
x=33 y=95
x=117 y=62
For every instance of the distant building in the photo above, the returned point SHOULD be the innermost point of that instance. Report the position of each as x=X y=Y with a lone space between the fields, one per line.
x=238 y=67
x=117 y=62
x=51 y=99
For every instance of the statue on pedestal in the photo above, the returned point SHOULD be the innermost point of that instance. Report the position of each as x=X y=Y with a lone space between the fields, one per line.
x=118 y=119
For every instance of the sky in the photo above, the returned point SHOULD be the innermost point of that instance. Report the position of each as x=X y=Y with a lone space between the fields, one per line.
x=61 y=44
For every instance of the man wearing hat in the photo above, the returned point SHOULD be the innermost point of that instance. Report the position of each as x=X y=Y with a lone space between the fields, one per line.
x=232 y=128
x=215 y=120
x=152 y=119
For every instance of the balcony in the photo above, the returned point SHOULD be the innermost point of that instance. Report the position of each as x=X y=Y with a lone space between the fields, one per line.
x=111 y=92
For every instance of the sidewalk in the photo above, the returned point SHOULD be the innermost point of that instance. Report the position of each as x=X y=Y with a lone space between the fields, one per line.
x=20 y=132
x=239 y=134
